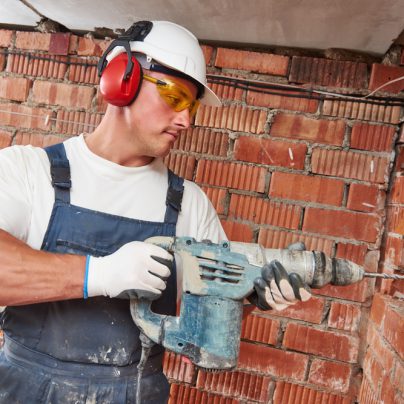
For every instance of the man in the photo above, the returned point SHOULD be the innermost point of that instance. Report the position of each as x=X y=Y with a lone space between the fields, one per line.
x=73 y=220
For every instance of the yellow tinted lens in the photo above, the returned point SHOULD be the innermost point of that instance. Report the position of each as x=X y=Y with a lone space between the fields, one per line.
x=177 y=96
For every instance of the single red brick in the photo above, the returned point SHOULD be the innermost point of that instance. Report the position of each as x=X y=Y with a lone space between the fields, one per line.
x=331 y=375
x=306 y=188
x=380 y=349
x=231 y=175
x=394 y=325
x=236 y=384
x=399 y=166
x=397 y=191
x=362 y=111
x=218 y=197
x=329 y=73
x=352 y=252
x=367 y=395
x=181 y=164
x=388 y=394
x=6 y=36
x=395 y=219
x=5 y=139
x=379 y=305
x=89 y=47
x=344 y=317
x=83 y=71
x=234 y=117
x=176 y=368
x=313 y=130
x=184 y=394
x=347 y=164
x=21 y=116
x=74 y=44
x=271 y=238
x=32 y=40
x=252 y=61
x=276 y=362
x=290 y=103
x=288 y=393
x=394 y=251
x=311 y=311
x=372 y=137
x=372 y=369
x=238 y=231
x=59 y=43
x=203 y=140
x=398 y=376
x=260 y=329
x=263 y=211
x=357 y=292
x=382 y=74
x=350 y=225
x=74 y=122
x=365 y=198
x=271 y=152
x=67 y=95
x=14 y=88
x=332 y=345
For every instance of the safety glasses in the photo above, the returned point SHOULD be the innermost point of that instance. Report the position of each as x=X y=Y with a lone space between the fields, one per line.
x=177 y=96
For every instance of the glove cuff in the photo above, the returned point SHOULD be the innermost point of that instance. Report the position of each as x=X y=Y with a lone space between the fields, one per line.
x=94 y=281
x=85 y=284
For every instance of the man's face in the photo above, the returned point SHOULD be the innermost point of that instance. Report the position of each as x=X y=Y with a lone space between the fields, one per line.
x=154 y=123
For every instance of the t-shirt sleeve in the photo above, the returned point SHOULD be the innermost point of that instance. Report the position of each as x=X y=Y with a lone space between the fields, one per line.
x=198 y=217
x=15 y=205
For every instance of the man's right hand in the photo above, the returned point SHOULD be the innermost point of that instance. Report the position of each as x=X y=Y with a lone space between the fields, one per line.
x=136 y=270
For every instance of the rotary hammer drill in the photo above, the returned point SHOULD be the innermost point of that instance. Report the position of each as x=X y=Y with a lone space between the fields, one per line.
x=216 y=279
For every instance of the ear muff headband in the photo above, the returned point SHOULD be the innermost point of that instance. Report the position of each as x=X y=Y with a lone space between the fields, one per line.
x=121 y=78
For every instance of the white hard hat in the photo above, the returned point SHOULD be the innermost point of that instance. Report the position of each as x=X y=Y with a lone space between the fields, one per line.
x=175 y=47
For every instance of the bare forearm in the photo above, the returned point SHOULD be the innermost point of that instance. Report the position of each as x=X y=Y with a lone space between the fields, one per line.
x=31 y=276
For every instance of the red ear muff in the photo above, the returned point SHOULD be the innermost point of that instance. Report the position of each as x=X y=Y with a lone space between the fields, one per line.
x=117 y=90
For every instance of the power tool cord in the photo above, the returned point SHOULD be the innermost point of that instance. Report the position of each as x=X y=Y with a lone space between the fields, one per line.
x=147 y=345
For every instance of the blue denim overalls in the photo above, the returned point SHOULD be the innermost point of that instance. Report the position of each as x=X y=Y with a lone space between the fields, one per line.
x=80 y=351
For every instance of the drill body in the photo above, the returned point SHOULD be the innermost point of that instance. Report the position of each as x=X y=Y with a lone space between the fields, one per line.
x=216 y=279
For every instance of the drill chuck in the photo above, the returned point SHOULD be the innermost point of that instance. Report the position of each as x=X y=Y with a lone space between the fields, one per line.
x=336 y=271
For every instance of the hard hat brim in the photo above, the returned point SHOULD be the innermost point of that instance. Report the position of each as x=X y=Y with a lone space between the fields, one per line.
x=210 y=98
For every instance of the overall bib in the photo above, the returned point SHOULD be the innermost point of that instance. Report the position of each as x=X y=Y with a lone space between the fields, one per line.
x=85 y=350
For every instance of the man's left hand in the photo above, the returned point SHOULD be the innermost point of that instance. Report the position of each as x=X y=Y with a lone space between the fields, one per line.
x=276 y=289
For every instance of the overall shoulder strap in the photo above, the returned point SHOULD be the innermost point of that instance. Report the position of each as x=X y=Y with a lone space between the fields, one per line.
x=174 y=197
x=60 y=172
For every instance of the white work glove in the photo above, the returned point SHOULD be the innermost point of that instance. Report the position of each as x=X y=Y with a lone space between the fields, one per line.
x=136 y=270
x=276 y=289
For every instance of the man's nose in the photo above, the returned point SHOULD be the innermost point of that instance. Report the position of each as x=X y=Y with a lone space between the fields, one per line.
x=183 y=118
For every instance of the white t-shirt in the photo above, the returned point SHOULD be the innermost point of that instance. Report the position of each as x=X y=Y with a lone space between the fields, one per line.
x=27 y=197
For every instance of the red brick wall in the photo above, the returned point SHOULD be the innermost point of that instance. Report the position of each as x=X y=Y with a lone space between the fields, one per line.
x=278 y=168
